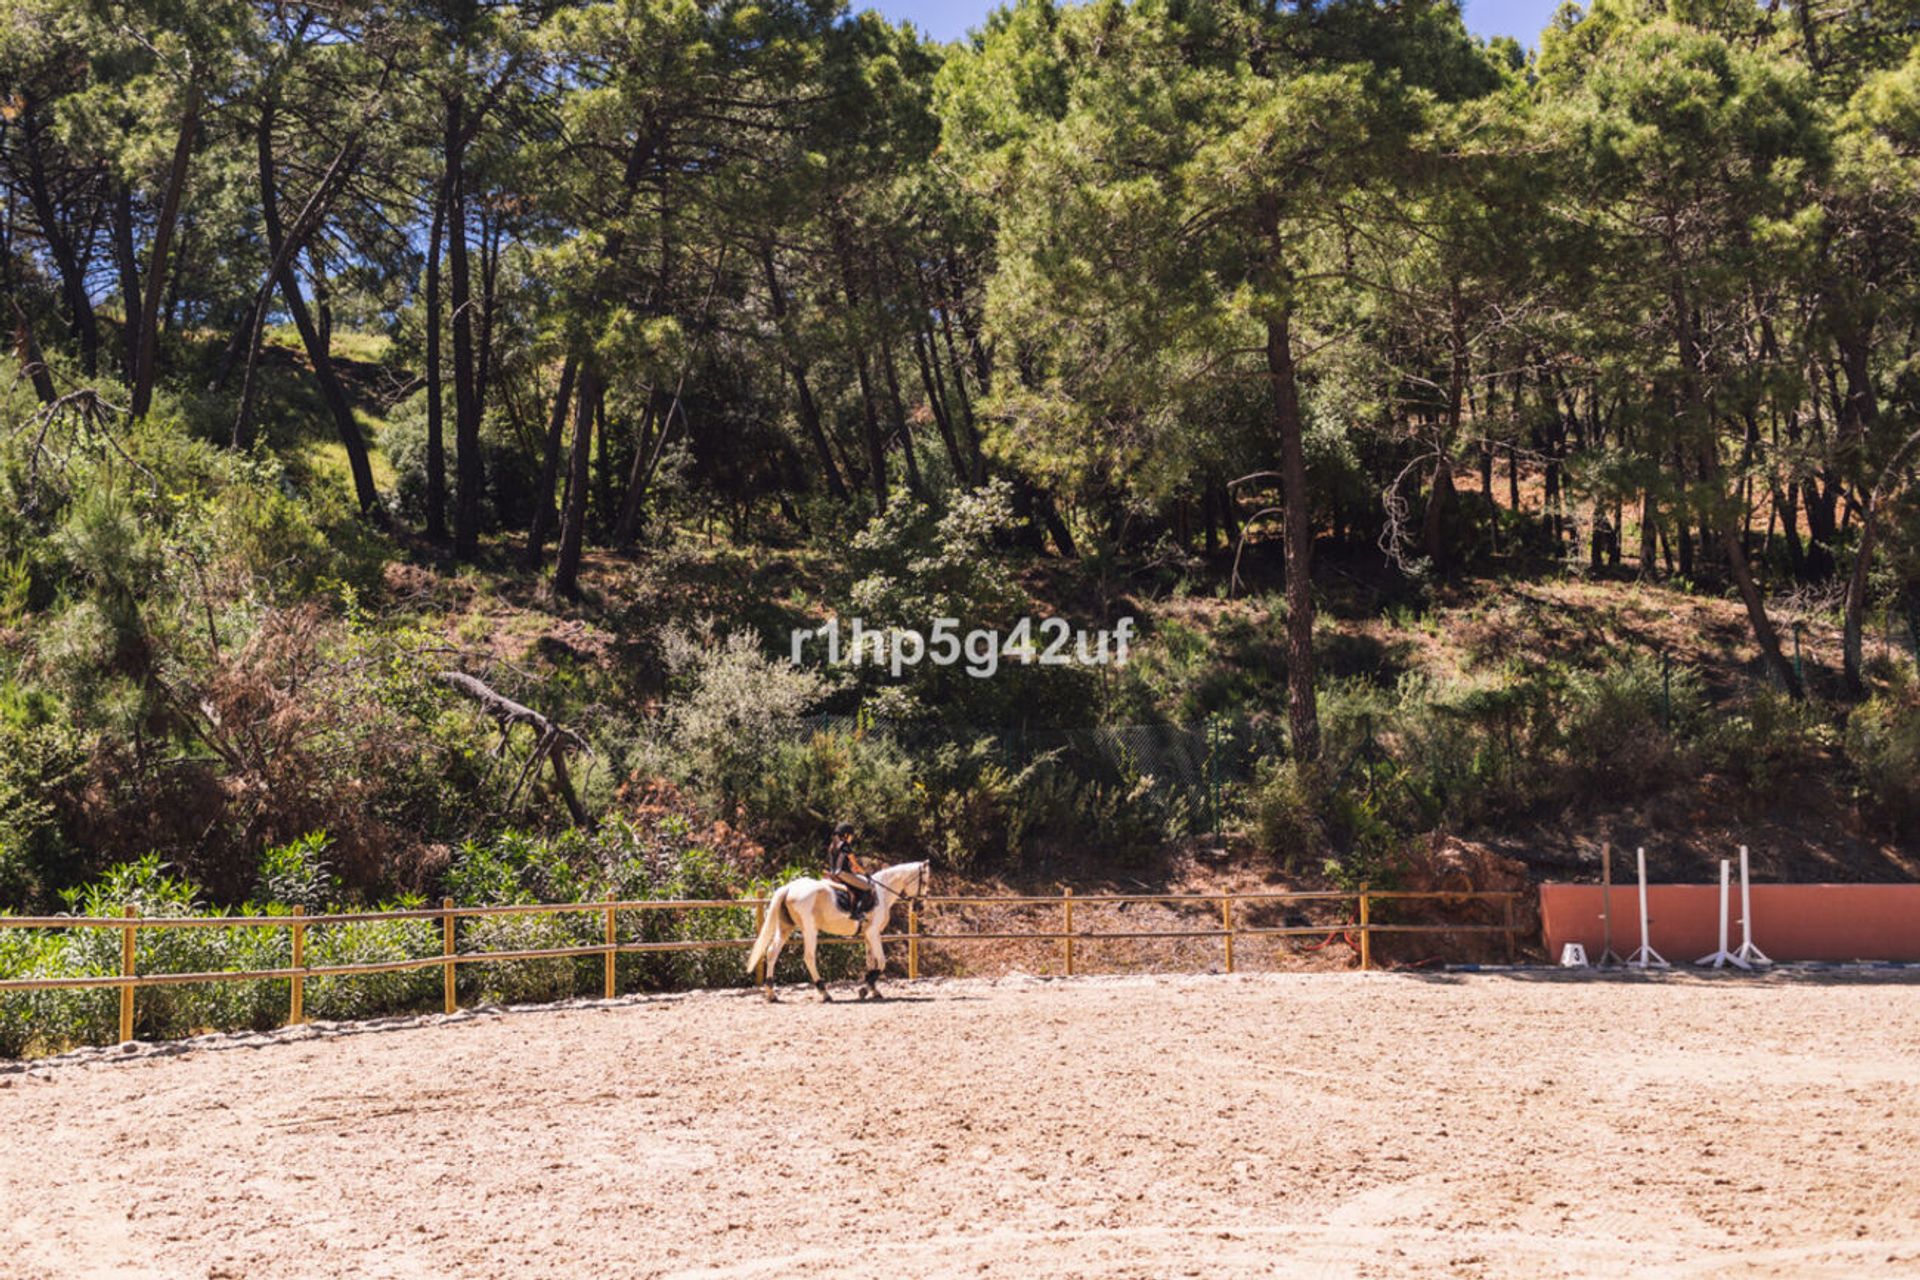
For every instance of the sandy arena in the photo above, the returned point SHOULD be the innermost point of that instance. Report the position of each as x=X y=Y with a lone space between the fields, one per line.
x=1296 y=1125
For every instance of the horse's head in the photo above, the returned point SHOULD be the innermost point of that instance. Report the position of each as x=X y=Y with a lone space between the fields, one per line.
x=908 y=880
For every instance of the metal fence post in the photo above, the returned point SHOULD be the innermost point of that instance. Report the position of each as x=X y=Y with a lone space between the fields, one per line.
x=297 y=995
x=1067 y=900
x=1366 y=929
x=446 y=949
x=126 y=971
x=1226 y=921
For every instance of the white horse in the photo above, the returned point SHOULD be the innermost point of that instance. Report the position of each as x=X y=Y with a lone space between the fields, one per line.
x=808 y=905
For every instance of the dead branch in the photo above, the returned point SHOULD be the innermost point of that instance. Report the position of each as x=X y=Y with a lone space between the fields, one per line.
x=551 y=741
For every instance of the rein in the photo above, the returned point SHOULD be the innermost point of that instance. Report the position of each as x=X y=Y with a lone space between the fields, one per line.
x=909 y=899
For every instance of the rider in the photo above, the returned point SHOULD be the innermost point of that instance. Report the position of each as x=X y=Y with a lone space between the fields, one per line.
x=844 y=868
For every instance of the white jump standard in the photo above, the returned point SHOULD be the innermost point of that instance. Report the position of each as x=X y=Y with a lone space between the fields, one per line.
x=1723 y=957
x=1748 y=953
x=1645 y=956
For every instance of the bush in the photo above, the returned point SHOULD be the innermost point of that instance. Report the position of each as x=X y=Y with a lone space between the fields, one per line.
x=1883 y=745
x=1286 y=803
x=1620 y=725
x=42 y=771
x=1769 y=740
x=809 y=783
x=733 y=707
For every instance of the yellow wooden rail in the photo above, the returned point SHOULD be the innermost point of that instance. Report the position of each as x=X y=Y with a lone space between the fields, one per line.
x=448 y=915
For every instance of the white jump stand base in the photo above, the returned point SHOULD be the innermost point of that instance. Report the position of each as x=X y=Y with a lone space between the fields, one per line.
x=1647 y=958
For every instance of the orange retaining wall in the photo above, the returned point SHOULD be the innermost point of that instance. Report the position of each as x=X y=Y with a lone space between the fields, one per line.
x=1790 y=921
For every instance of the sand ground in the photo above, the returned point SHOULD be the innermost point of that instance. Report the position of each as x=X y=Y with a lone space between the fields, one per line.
x=1390 y=1125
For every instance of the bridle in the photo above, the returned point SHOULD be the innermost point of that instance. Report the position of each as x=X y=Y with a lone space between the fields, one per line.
x=919 y=886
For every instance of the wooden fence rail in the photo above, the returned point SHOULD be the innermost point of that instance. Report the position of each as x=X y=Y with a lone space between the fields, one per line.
x=448 y=915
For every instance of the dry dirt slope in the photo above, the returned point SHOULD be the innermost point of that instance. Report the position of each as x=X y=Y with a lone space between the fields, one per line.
x=1312 y=1125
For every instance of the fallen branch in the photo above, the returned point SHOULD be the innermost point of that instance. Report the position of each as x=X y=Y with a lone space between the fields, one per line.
x=551 y=741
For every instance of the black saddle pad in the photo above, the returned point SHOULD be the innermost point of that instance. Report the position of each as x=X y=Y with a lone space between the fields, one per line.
x=845 y=899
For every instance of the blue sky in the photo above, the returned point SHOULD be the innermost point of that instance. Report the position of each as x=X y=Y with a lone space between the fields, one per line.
x=950 y=19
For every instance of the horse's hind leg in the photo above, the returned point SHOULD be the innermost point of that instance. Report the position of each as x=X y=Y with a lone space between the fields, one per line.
x=812 y=933
x=772 y=962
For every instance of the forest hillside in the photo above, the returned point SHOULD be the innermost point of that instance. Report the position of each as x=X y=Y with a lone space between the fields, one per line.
x=448 y=447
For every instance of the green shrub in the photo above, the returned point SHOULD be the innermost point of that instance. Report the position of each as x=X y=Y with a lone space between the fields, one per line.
x=1769 y=740
x=1286 y=804
x=732 y=709
x=1620 y=723
x=343 y=996
x=42 y=771
x=1883 y=745
x=297 y=874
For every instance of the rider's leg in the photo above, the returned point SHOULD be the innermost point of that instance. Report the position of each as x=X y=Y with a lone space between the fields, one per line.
x=855 y=885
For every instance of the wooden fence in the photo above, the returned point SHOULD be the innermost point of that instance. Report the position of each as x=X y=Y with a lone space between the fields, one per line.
x=128 y=980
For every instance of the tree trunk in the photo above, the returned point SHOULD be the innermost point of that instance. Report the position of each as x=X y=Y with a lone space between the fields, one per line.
x=809 y=411
x=870 y=428
x=936 y=404
x=1303 y=718
x=1303 y=714
x=288 y=279
x=1649 y=531
x=436 y=391
x=32 y=363
x=543 y=513
x=144 y=370
x=60 y=246
x=573 y=523
x=915 y=484
x=128 y=265
x=639 y=473
x=466 y=405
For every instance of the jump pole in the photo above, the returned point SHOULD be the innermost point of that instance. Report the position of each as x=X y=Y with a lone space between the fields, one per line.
x=1646 y=955
x=1723 y=957
x=1607 y=954
x=1748 y=954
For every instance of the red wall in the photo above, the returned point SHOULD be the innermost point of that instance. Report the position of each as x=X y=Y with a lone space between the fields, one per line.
x=1790 y=921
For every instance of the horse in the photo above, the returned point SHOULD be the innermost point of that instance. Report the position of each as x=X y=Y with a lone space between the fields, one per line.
x=808 y=905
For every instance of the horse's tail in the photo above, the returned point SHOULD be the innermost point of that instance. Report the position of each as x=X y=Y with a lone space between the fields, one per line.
x=775 y=906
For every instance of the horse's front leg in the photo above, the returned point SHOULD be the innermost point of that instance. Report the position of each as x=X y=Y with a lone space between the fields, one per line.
x=812 y=932
x=876 y=961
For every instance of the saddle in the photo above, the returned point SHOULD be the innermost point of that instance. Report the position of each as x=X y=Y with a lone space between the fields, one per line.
x=854 y=903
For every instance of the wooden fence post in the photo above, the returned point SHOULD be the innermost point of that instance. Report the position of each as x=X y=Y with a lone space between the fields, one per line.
x=126 y=971
x=913 y=940
x=612 y=981
x=1226 y=921
x=1366 y=931
x=446 y=949
x=297 y=1001
x=1509 y=923
x=1067 y=898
